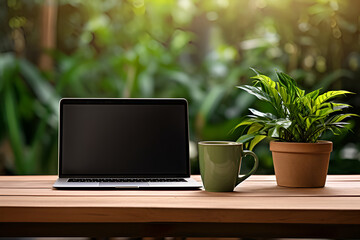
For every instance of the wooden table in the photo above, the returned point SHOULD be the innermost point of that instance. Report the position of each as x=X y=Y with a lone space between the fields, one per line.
x=258 y=208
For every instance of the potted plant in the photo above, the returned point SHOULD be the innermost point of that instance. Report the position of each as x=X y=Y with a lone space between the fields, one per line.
x=295 y=126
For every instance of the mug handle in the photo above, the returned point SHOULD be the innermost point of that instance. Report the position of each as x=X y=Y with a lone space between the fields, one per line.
x=253 y=170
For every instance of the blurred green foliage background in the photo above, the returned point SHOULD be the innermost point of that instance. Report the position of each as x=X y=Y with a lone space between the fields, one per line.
x=196 y=49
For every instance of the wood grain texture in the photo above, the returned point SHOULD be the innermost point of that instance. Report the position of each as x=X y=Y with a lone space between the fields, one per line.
x=31 y=199
x=254 y=189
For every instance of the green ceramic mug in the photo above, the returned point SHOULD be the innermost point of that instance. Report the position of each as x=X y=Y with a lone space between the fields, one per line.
x=220 y=163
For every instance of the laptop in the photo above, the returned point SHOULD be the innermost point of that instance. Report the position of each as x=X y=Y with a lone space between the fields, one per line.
x=124 y=144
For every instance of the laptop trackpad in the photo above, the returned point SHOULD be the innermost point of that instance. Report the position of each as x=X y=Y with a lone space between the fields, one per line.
x=124 y=185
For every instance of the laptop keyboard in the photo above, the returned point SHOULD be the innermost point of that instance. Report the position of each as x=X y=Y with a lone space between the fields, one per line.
x=126 y=180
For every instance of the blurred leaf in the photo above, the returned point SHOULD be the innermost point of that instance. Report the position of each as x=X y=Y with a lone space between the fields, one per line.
x=43 y=90
x=15 y=134
x=8 y=64
x=332 y=77
x=211 y=101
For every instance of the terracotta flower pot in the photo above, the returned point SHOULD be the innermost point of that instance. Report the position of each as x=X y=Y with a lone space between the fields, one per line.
x=301 y=164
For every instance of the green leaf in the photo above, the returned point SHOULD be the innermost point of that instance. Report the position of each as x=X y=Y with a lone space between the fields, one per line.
x=255 y=71
x=244 y=123
x=340 y=117
x=298 y=117
x=313 y=95
x=267 y=82
x=308 y=103
x=289 y=83
x=329 y=95
x=256 y=91
x=284 y=123
x=321 y=113
x=308 y=123
x=285 y=80
x=270 y=87
x=274 y=132
x=255 y=141
x=335 y=106
x=261 y=114
x=246 y=138
x=284 y=95
x=254 y=128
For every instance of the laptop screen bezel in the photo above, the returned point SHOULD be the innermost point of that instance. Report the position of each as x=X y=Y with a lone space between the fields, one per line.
x=125 y=101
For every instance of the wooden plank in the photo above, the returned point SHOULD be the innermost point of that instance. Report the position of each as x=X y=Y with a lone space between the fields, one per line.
x=258 y=201
x=152 y=214
x=46 y=182
x=248 y=188
x=28 y=184
x=245 y=189
x=28 y=178
x=210 y=202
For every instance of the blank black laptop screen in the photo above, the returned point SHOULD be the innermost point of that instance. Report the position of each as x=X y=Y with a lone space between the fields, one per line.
x=124 y=138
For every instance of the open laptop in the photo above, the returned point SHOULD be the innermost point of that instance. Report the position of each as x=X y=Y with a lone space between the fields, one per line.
x=124 y=143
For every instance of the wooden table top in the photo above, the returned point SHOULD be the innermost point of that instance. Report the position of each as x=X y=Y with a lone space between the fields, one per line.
x=257 y=200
